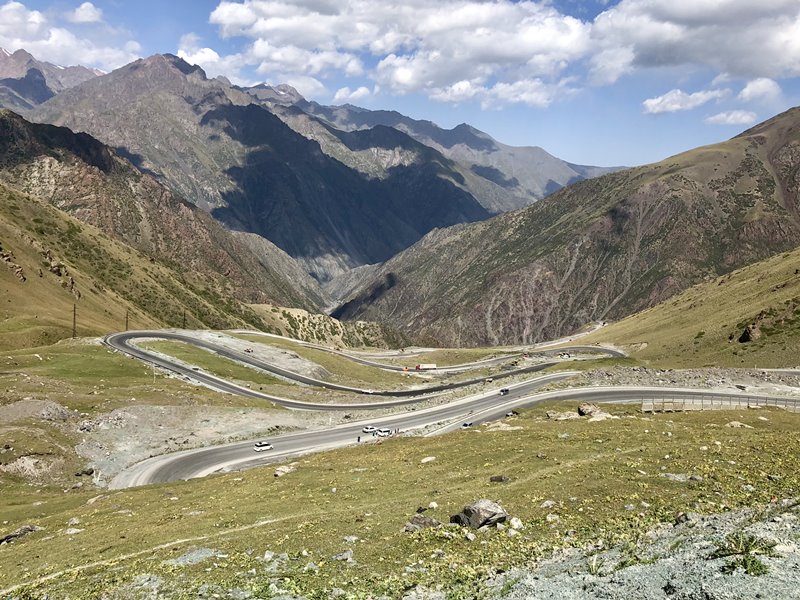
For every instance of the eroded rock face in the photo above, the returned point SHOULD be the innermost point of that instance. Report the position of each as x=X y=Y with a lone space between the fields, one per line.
x=481 y=513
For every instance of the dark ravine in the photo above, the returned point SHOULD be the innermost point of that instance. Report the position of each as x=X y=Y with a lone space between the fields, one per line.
x=600 y=249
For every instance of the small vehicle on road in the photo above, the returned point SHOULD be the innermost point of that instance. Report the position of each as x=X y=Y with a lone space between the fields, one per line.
x=504 y=391
x=383 y=432
x=369 y=429
x=466 y=425
x=262 y=446
x=488 y=380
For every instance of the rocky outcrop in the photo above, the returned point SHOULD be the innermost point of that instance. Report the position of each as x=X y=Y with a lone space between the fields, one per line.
x=18 y=533
x=8 y=258
x=481 y=513
x=420 y=521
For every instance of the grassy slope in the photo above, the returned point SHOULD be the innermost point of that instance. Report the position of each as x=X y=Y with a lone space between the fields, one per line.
x=702 y=325
x=111 y=278
x=370 y=492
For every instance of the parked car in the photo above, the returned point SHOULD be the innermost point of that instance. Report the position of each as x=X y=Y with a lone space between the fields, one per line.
x=488 y=380
x=466 y=425
x=262 y=446
x=369 y=429
x=383 y=432
x=504 y=391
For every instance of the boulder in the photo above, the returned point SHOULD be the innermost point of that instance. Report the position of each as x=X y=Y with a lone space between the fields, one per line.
x=498 y=479
x=18 y=533
x=420 y=521
x=587 y=409
x=479 y=514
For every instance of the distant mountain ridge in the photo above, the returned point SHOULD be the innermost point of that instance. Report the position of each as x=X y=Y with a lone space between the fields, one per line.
x=527 y=174
x=211 y=144
x=600 y=249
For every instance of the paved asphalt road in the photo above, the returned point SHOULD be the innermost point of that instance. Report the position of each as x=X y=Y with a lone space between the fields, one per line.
x=483 y=407
x=203 y=461
x=122 y=342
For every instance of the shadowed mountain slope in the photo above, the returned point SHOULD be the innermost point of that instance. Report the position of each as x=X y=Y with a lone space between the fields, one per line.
x=211 y=144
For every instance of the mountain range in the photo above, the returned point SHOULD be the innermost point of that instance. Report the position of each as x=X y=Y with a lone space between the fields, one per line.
x=176 y=257
x=26 y=82
x=446 y=235
x=599 y=249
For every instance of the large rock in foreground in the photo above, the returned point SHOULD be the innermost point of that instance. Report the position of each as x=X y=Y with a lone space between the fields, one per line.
x=481 y=513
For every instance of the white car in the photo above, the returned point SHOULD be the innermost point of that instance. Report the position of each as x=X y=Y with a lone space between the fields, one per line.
x=369 y=429
x=262 y=446
x=383 y=432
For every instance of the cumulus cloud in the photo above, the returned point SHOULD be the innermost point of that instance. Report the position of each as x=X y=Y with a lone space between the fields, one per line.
x=48 y=40
x=451 y=50
x=86 y=13
x=678 y=100
x=345 y=94
x=739 y=37
x=763 y=89
x=191 y=50
x=732 y=117
x=308 y=87
x=461 y=50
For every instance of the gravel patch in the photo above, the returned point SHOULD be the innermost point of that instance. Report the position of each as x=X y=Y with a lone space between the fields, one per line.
x=670 y=562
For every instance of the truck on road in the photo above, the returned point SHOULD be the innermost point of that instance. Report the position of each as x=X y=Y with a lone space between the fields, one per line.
x=425 y=366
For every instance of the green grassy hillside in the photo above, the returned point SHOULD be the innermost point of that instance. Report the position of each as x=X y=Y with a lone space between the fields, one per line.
x=703 y=326
x=226 y=535
x=66 y=263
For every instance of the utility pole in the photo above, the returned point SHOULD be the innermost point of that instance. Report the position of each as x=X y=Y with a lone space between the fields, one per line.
x=74 y=320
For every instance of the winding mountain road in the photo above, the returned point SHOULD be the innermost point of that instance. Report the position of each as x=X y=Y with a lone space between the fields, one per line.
x=124 y=342
x=478 y=408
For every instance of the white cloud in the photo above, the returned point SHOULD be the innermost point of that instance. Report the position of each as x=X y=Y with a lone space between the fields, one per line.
x=309 y=87
x=450 y=50
x=739 y=37
x=345 y=94
x=47 y=40
x=459 y=50
x=86 y=13
x=677 y=100
x=212 y=63
x=732 y=117
x=761 y=89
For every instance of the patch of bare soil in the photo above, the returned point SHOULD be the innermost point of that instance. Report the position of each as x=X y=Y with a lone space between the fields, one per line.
x=752 y=381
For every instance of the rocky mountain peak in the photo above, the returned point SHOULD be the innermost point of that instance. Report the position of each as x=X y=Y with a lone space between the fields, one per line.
x=282 y=94
x=168 y=64
x=17 y=64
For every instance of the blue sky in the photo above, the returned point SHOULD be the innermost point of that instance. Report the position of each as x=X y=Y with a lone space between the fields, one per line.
x=604 y=82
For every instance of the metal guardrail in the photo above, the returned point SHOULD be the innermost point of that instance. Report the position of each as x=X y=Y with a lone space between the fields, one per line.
x=657 y=402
